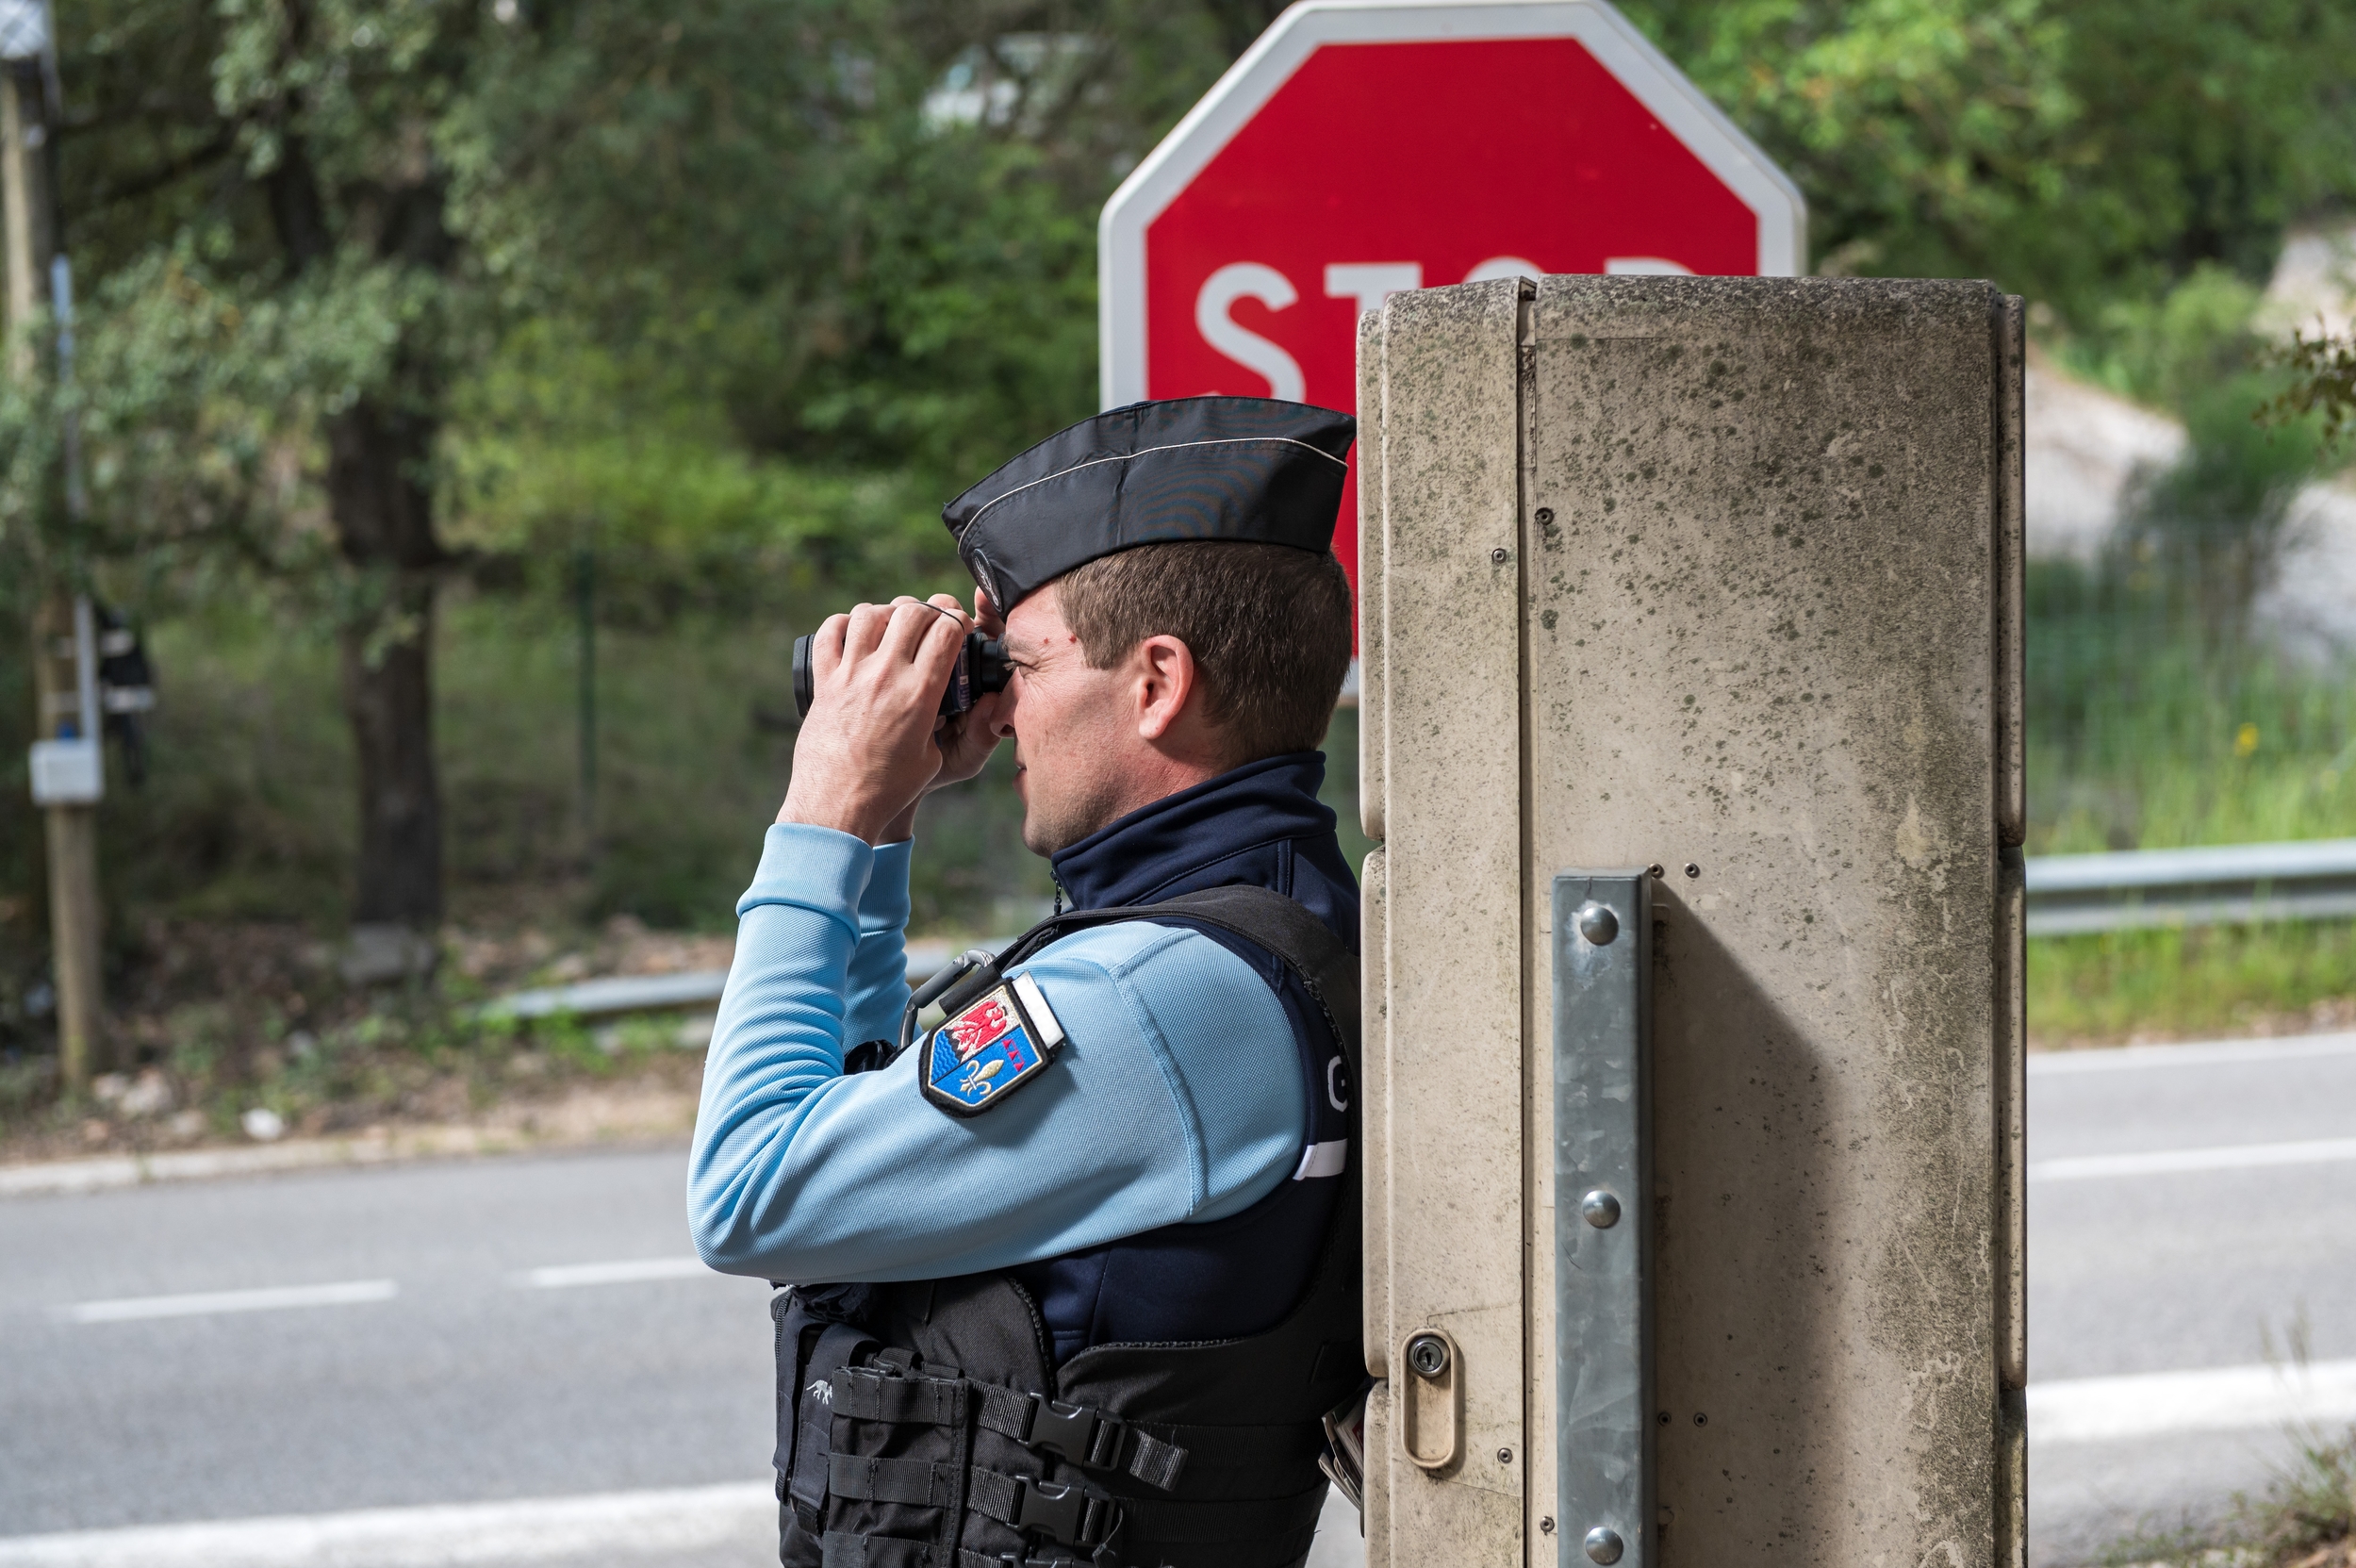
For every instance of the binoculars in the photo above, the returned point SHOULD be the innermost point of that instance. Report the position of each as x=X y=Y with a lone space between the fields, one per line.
x=981 y=667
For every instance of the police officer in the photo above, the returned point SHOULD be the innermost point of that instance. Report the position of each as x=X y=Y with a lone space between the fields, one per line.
x=1073 y=1277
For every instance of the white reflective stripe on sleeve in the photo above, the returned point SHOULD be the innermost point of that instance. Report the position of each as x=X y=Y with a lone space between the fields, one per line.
x=1323 y=1160
x=1035 y=1007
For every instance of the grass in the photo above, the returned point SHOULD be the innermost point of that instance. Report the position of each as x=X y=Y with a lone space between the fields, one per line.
x=2305 y=1519
x=2215 y=980
x=2148 y=729
x=2151 y=725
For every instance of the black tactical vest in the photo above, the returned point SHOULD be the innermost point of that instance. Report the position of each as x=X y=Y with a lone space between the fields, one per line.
x=926 y=1425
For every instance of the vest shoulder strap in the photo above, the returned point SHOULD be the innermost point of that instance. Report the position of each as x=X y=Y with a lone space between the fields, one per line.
x=1327 y=967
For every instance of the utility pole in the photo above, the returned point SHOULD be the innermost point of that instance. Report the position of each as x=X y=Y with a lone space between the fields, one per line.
x=68 y=774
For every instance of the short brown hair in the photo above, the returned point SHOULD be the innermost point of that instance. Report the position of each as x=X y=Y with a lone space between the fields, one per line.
x=1269 y=627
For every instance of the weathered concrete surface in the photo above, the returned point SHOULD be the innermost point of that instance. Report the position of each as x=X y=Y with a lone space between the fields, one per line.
x=1763 y=592
x=1438 y=580
x=1764 y=542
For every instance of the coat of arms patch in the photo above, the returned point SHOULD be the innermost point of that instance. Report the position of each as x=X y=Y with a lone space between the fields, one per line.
x=1000 y=1041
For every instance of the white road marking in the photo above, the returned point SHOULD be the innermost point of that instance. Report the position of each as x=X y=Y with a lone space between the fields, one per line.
x=604 y=1528
x=350 y=1293
x=2170 y=1162
x=2224 y=1399
x=627 y=1272
x=2202 y=1053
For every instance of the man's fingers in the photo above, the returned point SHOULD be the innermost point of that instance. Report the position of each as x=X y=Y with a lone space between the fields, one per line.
x=937 y=653
x=911 y=623
x=826 y=647
x=865 y=633
x=986 y=617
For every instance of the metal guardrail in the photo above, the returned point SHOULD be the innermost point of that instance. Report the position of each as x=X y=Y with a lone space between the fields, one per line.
x=2227 y=884
x=612 y=993
x=2069 y=896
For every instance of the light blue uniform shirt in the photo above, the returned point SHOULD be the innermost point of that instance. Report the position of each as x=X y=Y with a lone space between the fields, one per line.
x=1177 y=1095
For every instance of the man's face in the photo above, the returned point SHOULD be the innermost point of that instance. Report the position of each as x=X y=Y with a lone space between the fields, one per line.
x=1076 y=740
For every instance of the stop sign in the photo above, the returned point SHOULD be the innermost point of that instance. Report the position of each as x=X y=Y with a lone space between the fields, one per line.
x=1358 y=149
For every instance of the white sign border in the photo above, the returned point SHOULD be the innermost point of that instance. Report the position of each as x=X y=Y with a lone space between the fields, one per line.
x=1269 y=63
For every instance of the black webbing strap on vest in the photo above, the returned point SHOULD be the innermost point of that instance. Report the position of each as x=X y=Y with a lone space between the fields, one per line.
x=1086 y=1437
x=842 y=1550
x=814 y=1415
x=1071 y=1514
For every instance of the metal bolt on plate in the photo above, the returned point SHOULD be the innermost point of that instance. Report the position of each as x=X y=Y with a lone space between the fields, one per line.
x=1691 y=869
x=1701 y=1419
x=1604 y=1546
x=1598 y=924
x=1599 y=1209
x=1656 y=870
x=1427 y=1354
x=1498 y=556
x=1505 y=1456
x=1545 y=517
x=1547 y=1526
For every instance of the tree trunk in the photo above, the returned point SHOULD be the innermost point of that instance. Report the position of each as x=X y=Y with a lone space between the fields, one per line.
x=378 y=493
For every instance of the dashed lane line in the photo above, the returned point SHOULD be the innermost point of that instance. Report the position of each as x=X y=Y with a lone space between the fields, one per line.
x=2222 y=1398
x=350 y=1292
x=2170 y=1162
x=606 y=1528
x=628 y=1272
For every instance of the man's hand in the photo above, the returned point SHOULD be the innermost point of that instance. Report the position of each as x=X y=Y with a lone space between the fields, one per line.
x=967 y=739
x=867 y=751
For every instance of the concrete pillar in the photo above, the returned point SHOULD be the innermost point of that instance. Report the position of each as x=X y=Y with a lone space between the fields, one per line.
x=1719 y=576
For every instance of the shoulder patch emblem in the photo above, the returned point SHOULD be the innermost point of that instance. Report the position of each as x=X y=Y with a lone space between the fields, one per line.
x=998 y=1043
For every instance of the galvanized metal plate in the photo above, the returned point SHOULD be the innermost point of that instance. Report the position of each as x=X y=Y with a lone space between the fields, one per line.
x=1602 y=1314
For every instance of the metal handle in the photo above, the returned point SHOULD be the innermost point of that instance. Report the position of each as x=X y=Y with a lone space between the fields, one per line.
x=1431 y=1395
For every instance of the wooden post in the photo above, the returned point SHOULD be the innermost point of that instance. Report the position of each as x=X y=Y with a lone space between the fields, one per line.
x=16 y=209
x=64 y=652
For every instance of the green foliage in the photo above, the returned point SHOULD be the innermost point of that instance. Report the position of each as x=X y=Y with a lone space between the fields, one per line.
x=2145 y=732
x=558 y=444
x=247 y=813
x=865 y=230
x=2197 y=984
x=2323 y=383
x=2168 y=349
x=2076 y=154
x=2219 y=515
x=2149 y=727
x=734 y=293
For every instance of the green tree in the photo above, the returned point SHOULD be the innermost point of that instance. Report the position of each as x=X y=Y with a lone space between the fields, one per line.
x=827 y=241
x=2077 y=154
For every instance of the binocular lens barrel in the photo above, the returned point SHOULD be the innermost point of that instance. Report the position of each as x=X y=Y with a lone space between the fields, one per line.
x=980 y=667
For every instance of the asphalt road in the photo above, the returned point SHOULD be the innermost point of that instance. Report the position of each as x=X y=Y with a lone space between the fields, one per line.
x=415 y=1364
x=2202 y=1258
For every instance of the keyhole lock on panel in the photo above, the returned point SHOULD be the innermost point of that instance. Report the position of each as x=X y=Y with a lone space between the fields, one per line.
x=1431 y=1399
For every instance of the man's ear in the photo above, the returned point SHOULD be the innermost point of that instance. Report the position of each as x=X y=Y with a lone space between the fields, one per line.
x=1168 y=687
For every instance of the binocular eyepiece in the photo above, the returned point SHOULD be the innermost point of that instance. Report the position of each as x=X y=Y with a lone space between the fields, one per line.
x=980 y=667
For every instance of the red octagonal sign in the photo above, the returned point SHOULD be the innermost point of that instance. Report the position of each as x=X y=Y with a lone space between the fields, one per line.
x=1360 y=148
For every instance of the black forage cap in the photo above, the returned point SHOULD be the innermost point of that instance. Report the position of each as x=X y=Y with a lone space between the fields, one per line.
x=1251 y=469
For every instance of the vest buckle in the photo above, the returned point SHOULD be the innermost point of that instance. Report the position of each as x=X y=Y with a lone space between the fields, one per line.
x=1056 y=1509
x=1078 y=1433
